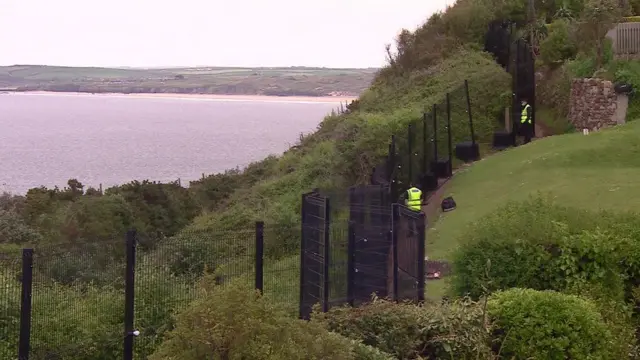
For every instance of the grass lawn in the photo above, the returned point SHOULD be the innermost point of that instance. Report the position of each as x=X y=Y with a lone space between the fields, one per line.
x=598 y=171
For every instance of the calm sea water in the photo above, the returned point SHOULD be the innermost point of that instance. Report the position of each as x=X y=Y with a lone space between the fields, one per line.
x=45 y=139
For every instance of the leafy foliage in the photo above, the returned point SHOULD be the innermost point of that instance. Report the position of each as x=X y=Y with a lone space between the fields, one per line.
x=597 y=18
x=548 y=325
x=560 y=44
x=451 y=330
x=550 y=247
x=213 y=328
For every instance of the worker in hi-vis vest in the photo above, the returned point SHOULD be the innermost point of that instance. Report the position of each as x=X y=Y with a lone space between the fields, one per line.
x=526 y=125
x=413 y=200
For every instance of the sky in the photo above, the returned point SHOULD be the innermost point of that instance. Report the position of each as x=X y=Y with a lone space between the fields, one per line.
x=153 y=33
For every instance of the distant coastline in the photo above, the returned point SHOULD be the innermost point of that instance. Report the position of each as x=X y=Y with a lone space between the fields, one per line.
x=241 y=84
x=257 y=98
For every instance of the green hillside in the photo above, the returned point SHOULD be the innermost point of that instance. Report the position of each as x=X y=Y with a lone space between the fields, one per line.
x=591 y=172
x=545 y=240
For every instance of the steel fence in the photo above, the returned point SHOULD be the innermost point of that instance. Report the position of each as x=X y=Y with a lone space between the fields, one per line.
x=10 y=295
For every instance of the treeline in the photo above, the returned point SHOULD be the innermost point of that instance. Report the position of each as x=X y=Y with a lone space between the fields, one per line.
x=79 y=214
x=168 y=89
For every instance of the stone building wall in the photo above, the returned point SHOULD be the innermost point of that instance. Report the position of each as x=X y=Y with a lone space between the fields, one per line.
x=594 y=104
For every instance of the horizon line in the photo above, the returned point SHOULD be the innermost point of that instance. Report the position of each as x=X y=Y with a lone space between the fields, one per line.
x=195 y=67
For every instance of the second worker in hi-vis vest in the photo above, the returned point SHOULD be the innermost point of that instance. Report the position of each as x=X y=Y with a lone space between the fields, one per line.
x=526 y=126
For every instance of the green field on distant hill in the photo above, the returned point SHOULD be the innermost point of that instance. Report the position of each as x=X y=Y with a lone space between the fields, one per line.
x=288 y=81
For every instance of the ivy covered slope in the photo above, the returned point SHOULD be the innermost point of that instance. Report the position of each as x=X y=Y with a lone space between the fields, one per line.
x=345 y=147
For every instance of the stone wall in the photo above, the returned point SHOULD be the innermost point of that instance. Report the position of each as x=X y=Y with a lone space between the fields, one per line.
x=594 y=104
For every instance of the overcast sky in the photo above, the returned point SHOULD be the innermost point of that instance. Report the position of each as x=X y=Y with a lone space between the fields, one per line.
x=331 y=33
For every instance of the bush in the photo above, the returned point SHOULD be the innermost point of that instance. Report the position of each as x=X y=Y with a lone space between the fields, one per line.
x=453 y=330
x=14 y=230
x=551 y=247
x=555 y=89
x=530 y=324
x=238 y=323
x=559 y=45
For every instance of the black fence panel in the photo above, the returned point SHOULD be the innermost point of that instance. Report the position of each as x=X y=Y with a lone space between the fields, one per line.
x=78 y=301
x=10 y=290
x=281 y=271
x=370 y=215
x=524 y=86
x=166 y=276
x=338 y=263
x=314 y=253
x=408 y=253
x=463 y=131
x=442 y=139
x=497 y=40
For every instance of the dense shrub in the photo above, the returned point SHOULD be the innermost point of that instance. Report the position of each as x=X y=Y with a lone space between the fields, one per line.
x=14 y=230
x=238 y=323
x=452 y=330
x=530 y=324
x=158 y=208
x=560 y=44
x=553 y=245
x=550 y=247
x=554 y=89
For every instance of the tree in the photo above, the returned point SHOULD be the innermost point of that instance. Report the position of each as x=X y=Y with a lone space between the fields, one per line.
x=598 y=17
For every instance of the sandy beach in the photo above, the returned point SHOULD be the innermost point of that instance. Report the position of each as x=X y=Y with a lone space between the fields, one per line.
x=205 y=97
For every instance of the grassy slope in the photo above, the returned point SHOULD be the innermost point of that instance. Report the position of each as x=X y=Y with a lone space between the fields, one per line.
x=598 y=171
x=342 y=153
x=216 y=80
x=345 y=148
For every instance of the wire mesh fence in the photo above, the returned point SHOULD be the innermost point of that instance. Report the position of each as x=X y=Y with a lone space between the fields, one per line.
x=10 y=293
x=409 y=252
x=80 y=293
x=448 y=133
x=338 y=263
x=166 y=277
x=76 y=304
x=78 y=290
x=281 y=274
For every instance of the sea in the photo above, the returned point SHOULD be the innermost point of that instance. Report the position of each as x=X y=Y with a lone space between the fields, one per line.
x=49 y=138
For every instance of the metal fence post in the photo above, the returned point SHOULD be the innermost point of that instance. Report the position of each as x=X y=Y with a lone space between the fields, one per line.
x=421 y=256
x=303 y=217
x=435 y=135
x=532 y=86
x=259 y=255
x=129 y=295
x=516 y=92
x=473 y=134
x=327 y=255
x=393 y=183
x=394 y=248
x=410 y=151
x=449 y=136
x=425 y=160
x=25 y=305
x=351 y=263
